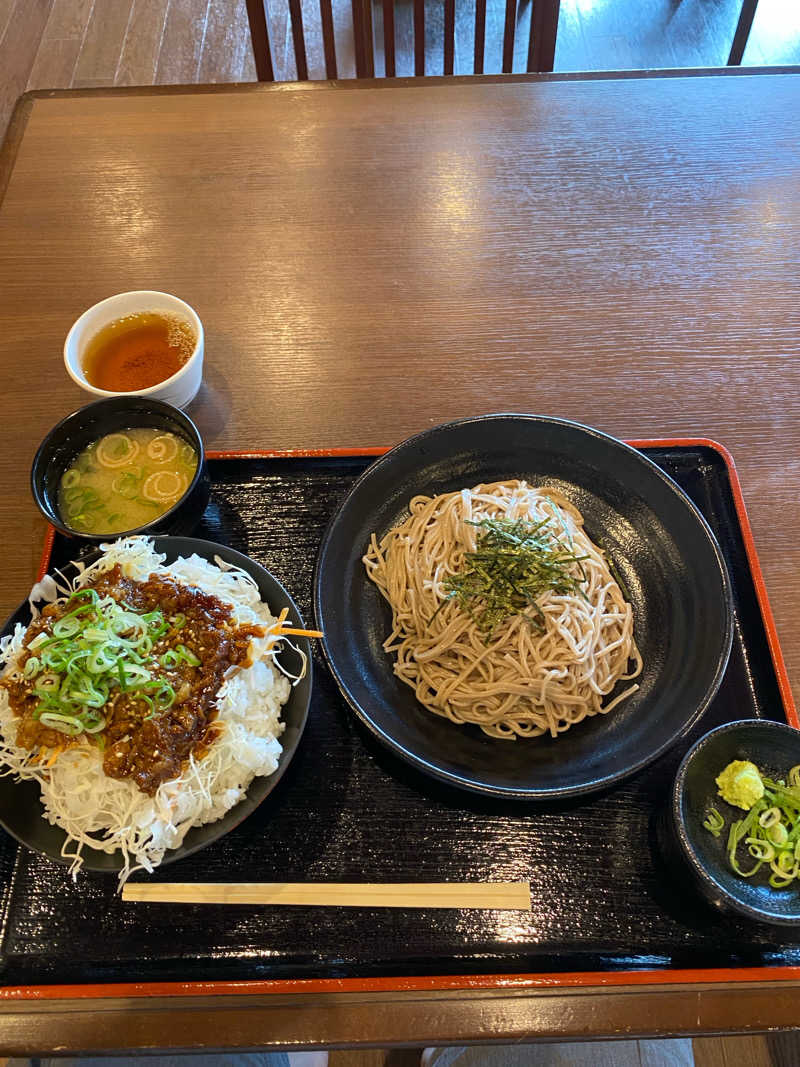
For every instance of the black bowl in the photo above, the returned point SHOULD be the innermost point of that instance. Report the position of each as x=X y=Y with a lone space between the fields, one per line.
x=70 y=436
x=661 y=545
x=21 y=812
x=774 y=748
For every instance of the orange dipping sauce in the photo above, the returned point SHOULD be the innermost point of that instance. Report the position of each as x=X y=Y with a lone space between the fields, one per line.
x=138 y=351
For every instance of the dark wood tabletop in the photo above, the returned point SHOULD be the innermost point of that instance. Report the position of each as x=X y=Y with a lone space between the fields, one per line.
x=372 y=259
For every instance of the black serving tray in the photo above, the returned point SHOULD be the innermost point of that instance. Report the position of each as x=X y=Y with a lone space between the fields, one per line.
x=602 y=898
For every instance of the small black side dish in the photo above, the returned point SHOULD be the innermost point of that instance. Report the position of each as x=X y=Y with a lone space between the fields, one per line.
x=774 y=748
x=70 y=436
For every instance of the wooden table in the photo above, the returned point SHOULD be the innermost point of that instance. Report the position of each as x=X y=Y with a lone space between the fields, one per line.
x=372 y=259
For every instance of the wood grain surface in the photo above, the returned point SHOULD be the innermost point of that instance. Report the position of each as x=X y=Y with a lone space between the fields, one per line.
x=373 y=261
x=370 y=261
x=512 y=896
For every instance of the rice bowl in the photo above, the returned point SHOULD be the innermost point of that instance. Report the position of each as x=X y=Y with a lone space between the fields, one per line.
x=111 y=820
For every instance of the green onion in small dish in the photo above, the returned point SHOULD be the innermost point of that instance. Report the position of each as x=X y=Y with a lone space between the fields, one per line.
x=733 y=820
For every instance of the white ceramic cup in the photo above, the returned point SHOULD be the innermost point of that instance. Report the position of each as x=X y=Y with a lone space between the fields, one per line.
x=178 y=390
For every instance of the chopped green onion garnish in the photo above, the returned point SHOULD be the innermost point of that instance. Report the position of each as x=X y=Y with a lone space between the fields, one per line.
x=31 y=667
x=179 y=654
x=65 y=724
x=714 y=822
x=188 y=655
x=98 y=646
x=769 y=832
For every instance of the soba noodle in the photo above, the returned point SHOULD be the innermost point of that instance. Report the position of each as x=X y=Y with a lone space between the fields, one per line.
x=538 y=672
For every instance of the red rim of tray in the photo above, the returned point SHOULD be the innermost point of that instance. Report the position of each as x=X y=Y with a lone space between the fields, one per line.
x=574 y=979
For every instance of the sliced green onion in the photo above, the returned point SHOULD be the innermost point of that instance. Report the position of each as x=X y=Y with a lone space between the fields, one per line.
x=73 y=494
x=101 y=661
x=777 y=834
x=779 y=883
x=94 y=727
x=127 y=622
x=156 y=623
x=84 y=594
x=127 y=485
x=769 y=817
x=714 y=822
x=135 y=674
x=98 y=646
x=49 y=682
x=31 y=667
x=759 y=849
x=163 y=694
x=76 y=612
x=770 y=831
x=90 y=696
x=784 y=863
x=66 y=627
x=65 y=724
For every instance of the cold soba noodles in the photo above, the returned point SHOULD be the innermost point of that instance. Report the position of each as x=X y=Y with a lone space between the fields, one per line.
x=504 y=613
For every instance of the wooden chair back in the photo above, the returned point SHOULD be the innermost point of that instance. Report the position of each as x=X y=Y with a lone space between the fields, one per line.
x=540 y=52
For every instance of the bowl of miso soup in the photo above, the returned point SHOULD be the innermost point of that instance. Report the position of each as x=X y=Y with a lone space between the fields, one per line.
x=126 y=465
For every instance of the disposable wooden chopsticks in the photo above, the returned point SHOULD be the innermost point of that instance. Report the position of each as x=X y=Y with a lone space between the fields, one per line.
x=501 y=895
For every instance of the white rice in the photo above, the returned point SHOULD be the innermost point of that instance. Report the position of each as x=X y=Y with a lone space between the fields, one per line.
x=112 y=814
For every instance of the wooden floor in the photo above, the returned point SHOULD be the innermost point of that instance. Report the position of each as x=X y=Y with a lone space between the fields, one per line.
x=72 y=43
x=774 y=1051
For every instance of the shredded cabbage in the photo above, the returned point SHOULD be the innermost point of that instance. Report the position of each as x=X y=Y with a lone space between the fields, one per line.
x=112 y=814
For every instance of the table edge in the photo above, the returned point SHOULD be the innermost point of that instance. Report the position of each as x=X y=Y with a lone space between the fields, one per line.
x=13 y=139
x=306 y=1020
x=24 y=104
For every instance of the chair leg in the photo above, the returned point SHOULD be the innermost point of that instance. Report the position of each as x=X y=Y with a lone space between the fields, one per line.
x=259 y=39
x=544 y=31
x=298 y=39
x=369 y=40
x=362 y=38
x=743 y=27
